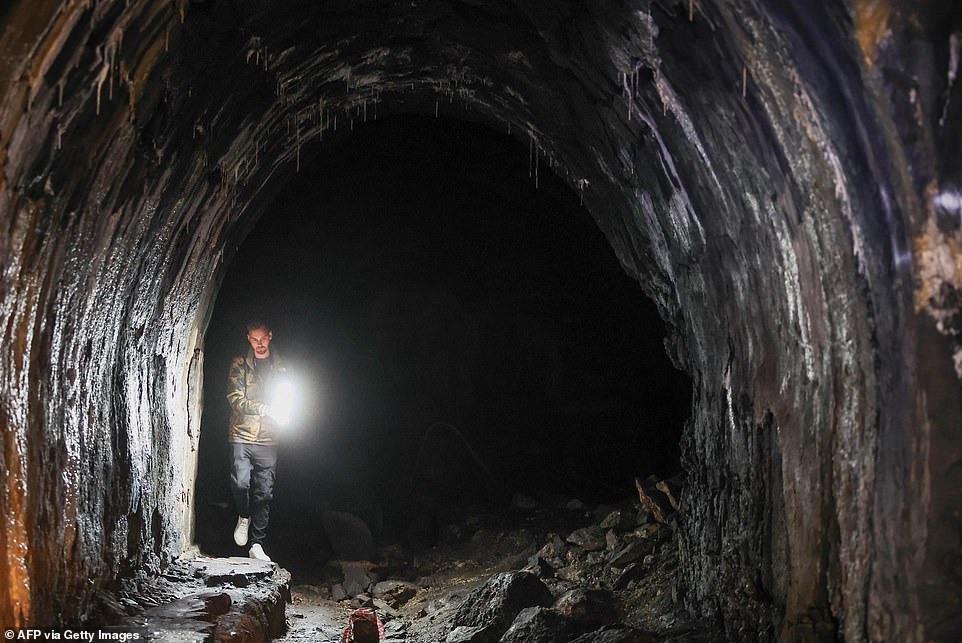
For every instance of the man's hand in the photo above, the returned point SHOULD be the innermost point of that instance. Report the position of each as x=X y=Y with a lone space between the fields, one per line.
x=281 y=416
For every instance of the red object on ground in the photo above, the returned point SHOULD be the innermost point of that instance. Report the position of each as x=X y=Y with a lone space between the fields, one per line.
x=364 y=626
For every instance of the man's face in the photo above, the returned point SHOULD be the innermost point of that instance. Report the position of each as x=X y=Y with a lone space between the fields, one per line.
x=260 y=340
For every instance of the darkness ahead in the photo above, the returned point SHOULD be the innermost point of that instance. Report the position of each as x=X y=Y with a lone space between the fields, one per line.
x=417 y=277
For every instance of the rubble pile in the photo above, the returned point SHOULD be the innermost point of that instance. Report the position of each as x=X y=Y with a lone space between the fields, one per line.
x=561 y=571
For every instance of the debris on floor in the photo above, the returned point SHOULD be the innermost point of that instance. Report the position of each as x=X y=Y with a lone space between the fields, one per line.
x=544 y=570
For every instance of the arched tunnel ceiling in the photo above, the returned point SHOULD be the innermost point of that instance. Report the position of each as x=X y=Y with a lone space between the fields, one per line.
x=778 y=177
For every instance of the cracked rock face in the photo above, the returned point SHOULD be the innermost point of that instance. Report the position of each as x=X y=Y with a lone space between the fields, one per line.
x=782 y=180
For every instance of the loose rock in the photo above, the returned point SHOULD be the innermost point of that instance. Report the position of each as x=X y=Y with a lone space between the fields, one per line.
x=541 y=625
x=593 y=607
x=617 y=519
x=588 y=538
x=356 y=576
x=394 y=592
x=630 y=553
x=615 y=635
x=472 y=634
x=496 y=603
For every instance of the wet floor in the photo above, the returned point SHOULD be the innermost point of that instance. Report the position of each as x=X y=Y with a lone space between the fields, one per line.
x=311 y=618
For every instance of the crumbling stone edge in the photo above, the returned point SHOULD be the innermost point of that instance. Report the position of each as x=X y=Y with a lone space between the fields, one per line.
x=204 y=599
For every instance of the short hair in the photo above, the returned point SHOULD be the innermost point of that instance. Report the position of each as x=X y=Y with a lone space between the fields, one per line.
x=254 y=324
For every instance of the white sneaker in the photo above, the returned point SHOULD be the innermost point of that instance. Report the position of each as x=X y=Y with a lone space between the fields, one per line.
x=240 y=531
x=257 y=552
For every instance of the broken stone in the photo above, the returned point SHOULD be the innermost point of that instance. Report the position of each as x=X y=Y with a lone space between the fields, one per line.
x=629 y=573
x=394 y=592
x=471 y=634
x=615 y=635
x=540 y=567
x=611 y=540
x=647 y=531
x=356 y=576
x=588 y=538
x=575 y=505
x=496 y=603
x=541 y=625
x=395 y=630
x=321 y=591
x=593 y=607
x=632 y=552
x=650 y=503
x=574 y=554
x=554 y=548
x=571 y=573
x=595 y=558
x=350 y=537
x=236 y=571
x=359 y=601
x=617 y=519
x=338 y=593
x=385 y=609
x=356 y=585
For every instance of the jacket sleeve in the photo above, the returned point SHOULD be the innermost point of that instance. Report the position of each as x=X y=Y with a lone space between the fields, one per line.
x=237 y=391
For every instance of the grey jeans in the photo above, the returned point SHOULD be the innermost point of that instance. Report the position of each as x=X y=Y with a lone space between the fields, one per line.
x=252 y=483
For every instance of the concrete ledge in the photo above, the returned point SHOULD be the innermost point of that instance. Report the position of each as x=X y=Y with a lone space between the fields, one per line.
x=220 y=599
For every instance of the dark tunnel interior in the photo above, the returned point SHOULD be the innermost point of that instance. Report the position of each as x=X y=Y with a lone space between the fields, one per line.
x=463 y=333
x=513 y=248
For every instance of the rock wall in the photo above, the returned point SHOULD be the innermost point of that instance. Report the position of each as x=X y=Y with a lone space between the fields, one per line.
x=781 y=180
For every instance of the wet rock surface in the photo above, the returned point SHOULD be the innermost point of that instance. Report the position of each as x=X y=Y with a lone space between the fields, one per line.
x=782 y=179
x=203 y=599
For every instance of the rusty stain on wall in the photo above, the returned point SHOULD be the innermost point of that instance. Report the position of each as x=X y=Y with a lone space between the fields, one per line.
x=872 y=20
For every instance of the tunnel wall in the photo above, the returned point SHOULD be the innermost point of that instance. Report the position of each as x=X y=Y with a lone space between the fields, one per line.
x=770 y=174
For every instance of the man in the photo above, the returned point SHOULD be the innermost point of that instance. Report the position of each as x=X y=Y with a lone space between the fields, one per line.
x=252 y=437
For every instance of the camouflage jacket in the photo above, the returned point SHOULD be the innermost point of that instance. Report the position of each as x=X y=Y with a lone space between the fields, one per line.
x=246 y=394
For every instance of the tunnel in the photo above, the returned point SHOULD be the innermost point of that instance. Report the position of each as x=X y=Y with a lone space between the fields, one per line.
x=778 y=182
x=456 y=339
